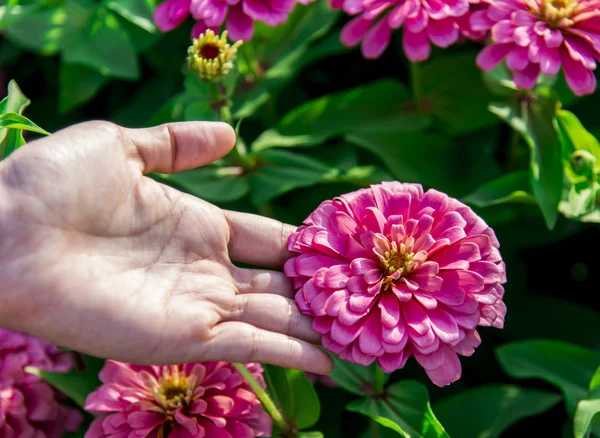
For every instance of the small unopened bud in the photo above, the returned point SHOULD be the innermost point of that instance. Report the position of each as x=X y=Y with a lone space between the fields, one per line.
x=210 y=57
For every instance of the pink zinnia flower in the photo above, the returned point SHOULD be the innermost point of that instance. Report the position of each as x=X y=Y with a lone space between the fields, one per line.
x=29 y=407
x=238 y=15
x=389 y=272
x=540 y=36
x=203 y=399
x=425 y=22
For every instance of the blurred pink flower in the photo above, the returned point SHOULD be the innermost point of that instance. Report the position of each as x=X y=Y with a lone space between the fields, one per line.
x=29 y=407
x=389 y=272
x=540 y=36
x=171 y=13
x=238 y=15
x=425 y=22
x=203 y=399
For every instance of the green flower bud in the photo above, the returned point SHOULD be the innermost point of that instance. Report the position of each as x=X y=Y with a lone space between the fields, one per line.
x=583 y=162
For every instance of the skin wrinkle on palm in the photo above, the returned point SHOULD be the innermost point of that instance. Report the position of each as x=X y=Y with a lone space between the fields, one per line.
x=161 y=281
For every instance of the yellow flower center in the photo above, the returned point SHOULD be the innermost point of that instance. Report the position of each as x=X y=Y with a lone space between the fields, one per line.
x=397 y=259
x=558 y=13
x=173 y=391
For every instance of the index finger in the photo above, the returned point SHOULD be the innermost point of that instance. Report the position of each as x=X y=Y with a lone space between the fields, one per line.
x=258 y=240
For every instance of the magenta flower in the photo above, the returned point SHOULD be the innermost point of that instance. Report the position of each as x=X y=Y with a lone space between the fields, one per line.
x=203 y=399
x=425 y=22
x=238 y=15
x=29 y=407
x=389 y=272
x=540 y=36
x=171 y=13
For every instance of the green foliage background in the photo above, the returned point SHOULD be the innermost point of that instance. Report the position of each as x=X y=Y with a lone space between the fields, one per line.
x=318 y=120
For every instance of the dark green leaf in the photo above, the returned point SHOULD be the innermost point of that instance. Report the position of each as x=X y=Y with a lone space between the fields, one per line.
x=535 y=120
x=225 y=184
x=139 y=12
x=371 y=108
x=567 y=366
x=281 y=171
x=487 y=411
x=458 y=98
x=512 y=187
x=535 y=317
x=354 y=378
x=77 y=85
x=429 y=159
x=17 y=121
x=75 y=384
x=294 y=395
x=171 y=111
x=104 y=46
x=404 y=408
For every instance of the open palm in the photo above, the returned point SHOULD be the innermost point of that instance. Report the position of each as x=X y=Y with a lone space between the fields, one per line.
x=99 y=258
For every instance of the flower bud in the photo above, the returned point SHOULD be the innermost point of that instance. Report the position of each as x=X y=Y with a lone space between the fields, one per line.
x=210 y=57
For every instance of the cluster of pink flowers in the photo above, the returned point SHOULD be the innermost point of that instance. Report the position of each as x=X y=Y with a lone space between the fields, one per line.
x=203 y=399
x=391 y=272
x=534 y=36
x=29 y=407
x=238 y=15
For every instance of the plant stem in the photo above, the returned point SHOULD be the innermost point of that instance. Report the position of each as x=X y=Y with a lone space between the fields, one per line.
x=222 y=106
x=378 y=381
x=416 y=84
x=263 y=397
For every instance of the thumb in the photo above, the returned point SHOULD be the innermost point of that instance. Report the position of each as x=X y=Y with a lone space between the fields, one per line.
x=174 y=147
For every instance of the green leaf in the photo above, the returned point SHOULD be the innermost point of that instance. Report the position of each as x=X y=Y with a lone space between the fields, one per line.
x=225 y=184
x=104 y=46
x=309 y=435
x=378 y=106
x=404 y=408
x=17 y=121
x=281 y=171
x=458 y=98
x=354 y=378
x=487 y=411
x=534 y=120
x=566 y=366
x=512 y=187
x=588 y=409
x=77 y=85
x=293 y=393
x=15 y=102
x=138 y=12
x=50 y=29
x=578 y=137
x=75 y=384
x=12 y=14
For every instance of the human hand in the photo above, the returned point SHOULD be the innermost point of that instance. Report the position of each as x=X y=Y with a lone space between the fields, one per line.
x=97 y=257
